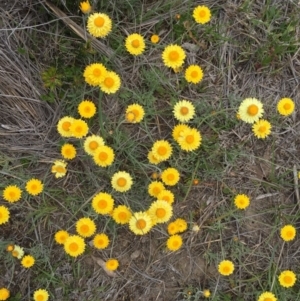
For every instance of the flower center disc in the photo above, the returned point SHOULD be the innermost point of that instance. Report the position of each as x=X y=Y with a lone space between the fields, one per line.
x=102 y=156
x=141 y=224
x=102 y=204
x=73 y=246
x=156 y=190
x=122 y=215
x=121 y=182
x=135 y=43
x=99 y=22
x=78 y=129
x=252 y=110
x=194 y=74
x=84 y=228
x=130 y=116
x=288 y=279
x=189 y=139
x=12 y=194
x=87 y=109
x=268 y=299
x=175 y=244
x=40 y=298
x=289 y=234
x=97 y=72
x=262 y=129
x=184 y=110
x=160 y=212
x=202 y=13
x=226 y=269
x=33 y=187
x=170 y=177
x=66 y=125
x=174 y=55
x=287 y=106
x=60 y=169
x=162 y=150
x=93 y=145
x=109 y=82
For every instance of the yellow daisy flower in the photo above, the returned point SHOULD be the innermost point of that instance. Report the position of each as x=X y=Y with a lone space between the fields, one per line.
x=267 y=296
x=155 y=188
x=4 y=215
x=190 y=139
x=160 y=212
x=85 y=227
x=104 y=156
x=10 y=247
x=34 y=186
x=92 y=143
x=173 y=228
x=134 y=113
x=162 y=150
x=170 y=176
x=178 y=130
x=86 y=109
x=63 y=126
x=40 y=295
x=201 y=14
x=103 y=203
x=135 y=44
x=4 y=293
x=94 y=74
x=181 y=224
x=111 y=264
x=61 y=236
x=152 y=159
x=27 y=261
x=74 y=245
x=261 y=128
x=174 y=242
x=59 y=168
x=79 y=128
x=154 y=39
x=101 y=241
x=250 y=110
x=121 y=181
x=184 y=111
x=226 y=267
x=288 y=232
x=166 y=195
x=173 y=56
x=18 y=252
x=206 y=293
x=68 y=151
x=285 y=106
x=99 y=25
x=121 y=214
x=241 y=201
x=111 y=83
x=287 y=278
x=12 y=193
x=85 y=7
x=194 y=74
x=140 y=223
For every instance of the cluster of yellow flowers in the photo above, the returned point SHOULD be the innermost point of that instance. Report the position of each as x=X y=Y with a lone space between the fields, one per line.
x=27 y=261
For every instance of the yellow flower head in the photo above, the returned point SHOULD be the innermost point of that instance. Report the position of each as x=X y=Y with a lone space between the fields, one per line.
x=85 y=7
x=121 y=181
x=74 y=245
x=10 y=247
x=154 y=39
x=92 y=143
x=135 y=44
x=4 y=293
x=121 y=214
x=160 y=212
x=190 y=139
x=86 y=109
x=241 y=201
x=34 y=186
x=155 y=188
x=112 y=264
x=288 y=232
x=63 y=126
x=184 y=111
x=178 y=130
x=162 y=150
x=201 y=14
x=59 y=168
x=152 y=159
x=181 y=224
x=18 y=252
x=61 y=236
x=261 y=128
x=111 y=83
x=79 y=128
x=173 y=56
x=4 y=215
x=103 y=203
x=99 y=25
x=134 y=113
x=287 y=278
x=166 y=195
x=140 y=223
x=194 y=74
x=173 y=228
x=226 y=267
x=94 y=74
x=40 y=295
x=85 y=227
x=27 y=261
x=250 y=110
x=68 y=151
x=104 y=156
x=267 y=296
x=12 y=193
x=285 y=106
x=206 y=293
x=101 y=241
x=174 y=242
x=170 y=176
